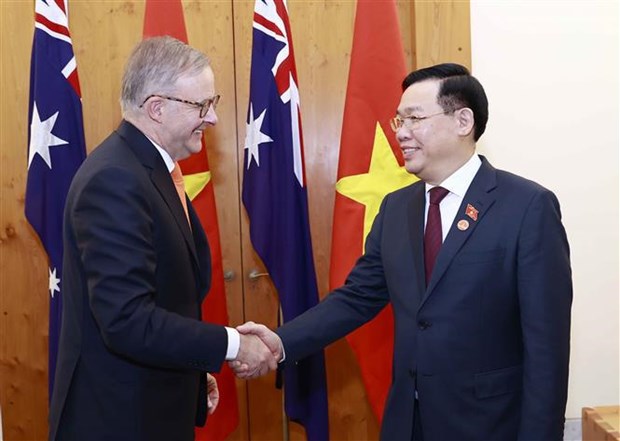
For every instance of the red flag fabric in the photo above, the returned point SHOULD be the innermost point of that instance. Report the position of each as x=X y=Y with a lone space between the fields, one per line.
x=370 y=166
x=166 y=18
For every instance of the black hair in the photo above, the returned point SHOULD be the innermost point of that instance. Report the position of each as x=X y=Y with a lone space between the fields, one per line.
x=458 y=89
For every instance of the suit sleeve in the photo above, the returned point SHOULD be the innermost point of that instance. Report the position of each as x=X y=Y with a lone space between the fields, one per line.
x=545 y=297
x=114 y=230
x=359 y=300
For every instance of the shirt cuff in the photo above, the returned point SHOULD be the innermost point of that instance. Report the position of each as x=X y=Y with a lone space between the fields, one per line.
x=233 y=343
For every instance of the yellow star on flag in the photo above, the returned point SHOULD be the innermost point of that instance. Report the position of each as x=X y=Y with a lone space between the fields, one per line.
x=384 y=175
x=195 y=183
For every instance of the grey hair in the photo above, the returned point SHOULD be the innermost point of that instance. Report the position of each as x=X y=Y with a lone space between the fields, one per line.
x=154 y=66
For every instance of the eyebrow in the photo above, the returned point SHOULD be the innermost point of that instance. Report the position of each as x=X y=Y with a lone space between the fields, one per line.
x=409 y=110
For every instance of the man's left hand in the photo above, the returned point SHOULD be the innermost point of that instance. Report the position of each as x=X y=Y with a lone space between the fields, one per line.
x=213 y=394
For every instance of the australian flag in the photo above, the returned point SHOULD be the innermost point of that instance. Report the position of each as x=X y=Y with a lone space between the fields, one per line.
x=56 y=146
x=275 y=198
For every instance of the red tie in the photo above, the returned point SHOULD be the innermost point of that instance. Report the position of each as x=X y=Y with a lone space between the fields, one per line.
x=177 y=178
x=432 y=234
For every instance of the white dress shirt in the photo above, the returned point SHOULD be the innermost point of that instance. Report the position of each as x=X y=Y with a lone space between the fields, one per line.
x=457 y=184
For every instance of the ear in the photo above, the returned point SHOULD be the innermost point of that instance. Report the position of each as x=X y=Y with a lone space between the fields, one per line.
x=155 y=109
x=465 y=121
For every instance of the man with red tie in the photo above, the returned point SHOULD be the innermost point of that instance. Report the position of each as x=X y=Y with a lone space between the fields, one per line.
x=475 y=262
x=134 y=353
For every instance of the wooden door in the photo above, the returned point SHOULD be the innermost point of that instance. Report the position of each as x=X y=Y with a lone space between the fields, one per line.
x=322 y=35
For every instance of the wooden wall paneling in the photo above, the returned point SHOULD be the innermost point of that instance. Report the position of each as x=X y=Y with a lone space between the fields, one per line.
x=23 y=265
x=406 y=19
x=442 y=33
x=322 y=35
x=210 y=29
x=103 y=33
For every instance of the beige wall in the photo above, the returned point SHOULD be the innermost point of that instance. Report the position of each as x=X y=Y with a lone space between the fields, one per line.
x=550 y=69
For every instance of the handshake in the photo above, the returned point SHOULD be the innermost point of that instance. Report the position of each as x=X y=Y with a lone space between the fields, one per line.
x=260 y=351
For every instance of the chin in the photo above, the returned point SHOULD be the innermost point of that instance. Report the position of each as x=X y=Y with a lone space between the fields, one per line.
x=193 y=149
x=411 y=167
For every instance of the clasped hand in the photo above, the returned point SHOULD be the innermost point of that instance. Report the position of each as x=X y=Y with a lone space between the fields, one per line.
x=260 y=350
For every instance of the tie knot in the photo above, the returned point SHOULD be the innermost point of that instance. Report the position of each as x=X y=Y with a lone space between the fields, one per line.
x=437 y=194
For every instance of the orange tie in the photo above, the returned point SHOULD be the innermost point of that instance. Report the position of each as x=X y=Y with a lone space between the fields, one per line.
x=177 y=178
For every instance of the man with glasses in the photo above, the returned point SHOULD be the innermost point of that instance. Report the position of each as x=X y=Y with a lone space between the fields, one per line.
x=134 y=353
x=475 y=263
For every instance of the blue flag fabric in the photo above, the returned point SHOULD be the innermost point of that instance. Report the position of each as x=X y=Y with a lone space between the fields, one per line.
x=275 y=198
x=56 y=146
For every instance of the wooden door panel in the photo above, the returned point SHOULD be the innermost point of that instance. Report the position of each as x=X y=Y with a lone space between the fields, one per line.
x=322 y=36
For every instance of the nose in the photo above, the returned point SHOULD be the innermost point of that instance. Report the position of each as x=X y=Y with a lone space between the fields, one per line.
x=211 y=117
x=403 y=134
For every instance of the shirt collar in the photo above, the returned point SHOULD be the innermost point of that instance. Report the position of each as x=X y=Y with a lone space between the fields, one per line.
x=459 y=181
x=164 y=155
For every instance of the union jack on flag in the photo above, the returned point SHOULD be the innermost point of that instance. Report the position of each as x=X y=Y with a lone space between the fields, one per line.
x=275 y=198
x=56 y=146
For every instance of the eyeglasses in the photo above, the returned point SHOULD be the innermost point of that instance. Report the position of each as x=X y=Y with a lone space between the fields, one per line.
x=412 y=121
x=203 y=106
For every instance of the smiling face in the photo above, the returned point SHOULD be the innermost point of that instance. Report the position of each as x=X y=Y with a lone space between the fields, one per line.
x=182 y=127
x=438 y=145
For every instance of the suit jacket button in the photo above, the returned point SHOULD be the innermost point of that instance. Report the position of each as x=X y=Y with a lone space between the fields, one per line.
x=423 y=325
x=412 y=373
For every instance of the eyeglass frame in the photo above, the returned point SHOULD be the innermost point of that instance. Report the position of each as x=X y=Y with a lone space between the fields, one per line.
x=398 y=121
x=206 y=104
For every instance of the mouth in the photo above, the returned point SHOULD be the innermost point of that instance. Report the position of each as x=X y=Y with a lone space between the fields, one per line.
x=200 y=129
x=408 y=152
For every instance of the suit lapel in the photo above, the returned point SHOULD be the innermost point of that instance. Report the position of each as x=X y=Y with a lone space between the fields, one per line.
x=202 y=251
x=146 y=152
x=415 y=213
x=480 y=195
x=163 y=182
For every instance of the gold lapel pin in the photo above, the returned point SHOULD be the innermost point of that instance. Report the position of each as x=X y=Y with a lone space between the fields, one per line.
x=462 y=225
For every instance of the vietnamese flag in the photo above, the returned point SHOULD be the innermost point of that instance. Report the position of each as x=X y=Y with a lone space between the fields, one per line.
x=165 y=17
x=370 y=166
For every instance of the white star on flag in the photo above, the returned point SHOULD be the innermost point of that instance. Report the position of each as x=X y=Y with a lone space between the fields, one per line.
x=41 y=137
x=54 y=282
x=254 y=137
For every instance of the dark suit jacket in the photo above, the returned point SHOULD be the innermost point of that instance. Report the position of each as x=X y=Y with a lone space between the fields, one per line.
x=132 y=346
x=486 y=344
